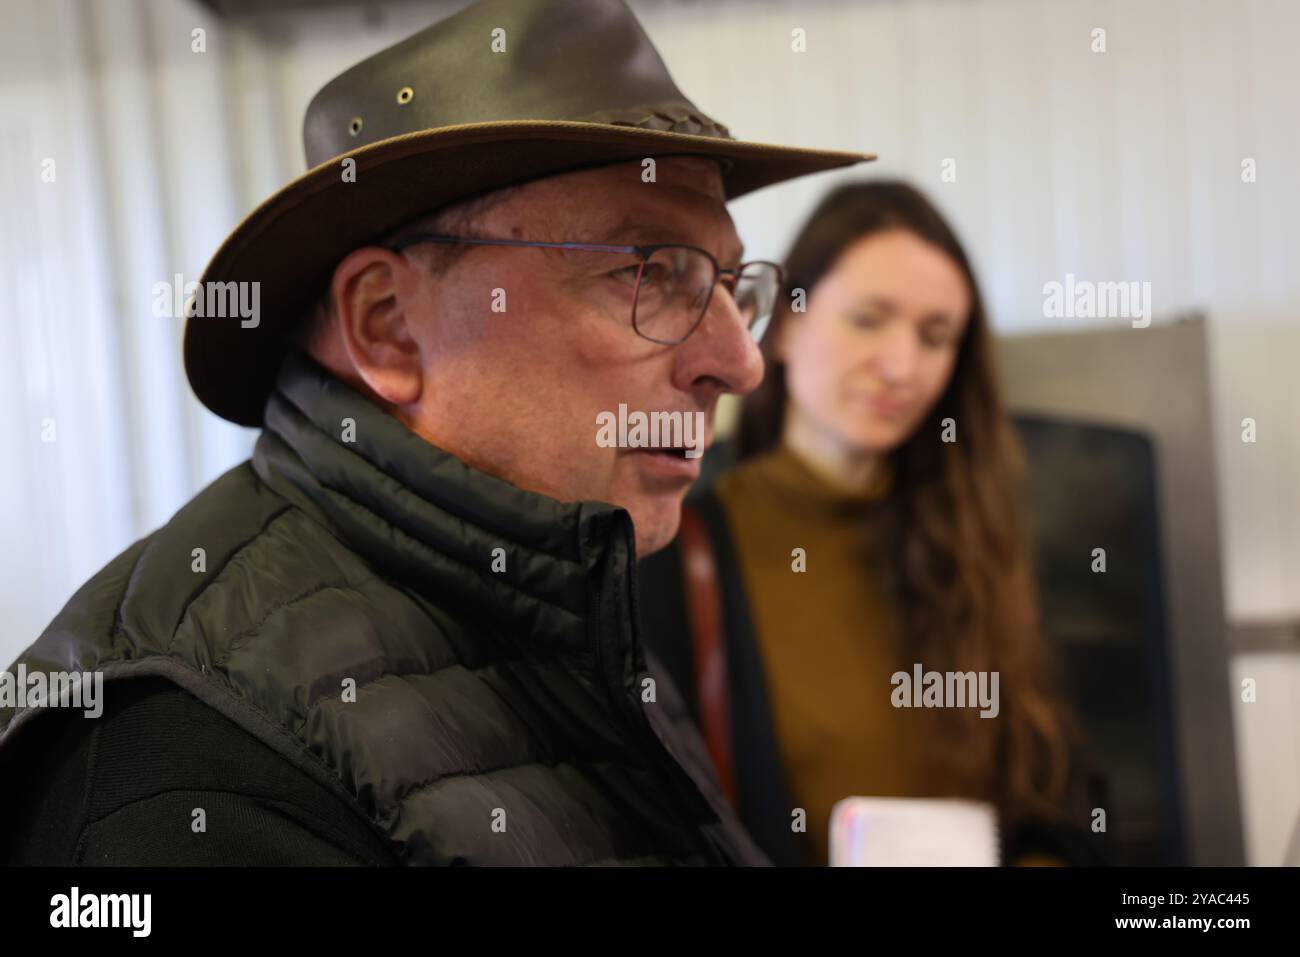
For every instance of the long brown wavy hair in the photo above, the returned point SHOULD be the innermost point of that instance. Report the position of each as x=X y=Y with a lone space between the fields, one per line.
x=951 y=536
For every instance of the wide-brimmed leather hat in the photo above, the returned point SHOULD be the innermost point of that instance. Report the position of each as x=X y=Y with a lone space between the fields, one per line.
x=503 y=92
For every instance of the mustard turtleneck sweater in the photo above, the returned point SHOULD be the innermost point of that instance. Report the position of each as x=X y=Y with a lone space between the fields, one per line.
x=827 y=640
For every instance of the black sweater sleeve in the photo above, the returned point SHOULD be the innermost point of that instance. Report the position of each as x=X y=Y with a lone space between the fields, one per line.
x=160 y=778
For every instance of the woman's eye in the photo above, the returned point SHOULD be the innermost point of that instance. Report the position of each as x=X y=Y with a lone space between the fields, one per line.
x=863 y=321
x=938 y=337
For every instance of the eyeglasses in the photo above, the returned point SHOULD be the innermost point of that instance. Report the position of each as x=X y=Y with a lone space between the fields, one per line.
x=671 y=284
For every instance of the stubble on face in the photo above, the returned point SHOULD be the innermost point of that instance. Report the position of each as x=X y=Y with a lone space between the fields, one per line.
x=517 y=392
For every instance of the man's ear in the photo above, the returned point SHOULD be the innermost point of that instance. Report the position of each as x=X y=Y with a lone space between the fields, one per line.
x=371 y=288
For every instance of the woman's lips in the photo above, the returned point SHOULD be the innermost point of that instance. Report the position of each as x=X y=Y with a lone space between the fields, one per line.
x=887 y=408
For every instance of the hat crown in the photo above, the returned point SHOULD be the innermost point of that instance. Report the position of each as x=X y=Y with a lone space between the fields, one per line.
x=583 y=60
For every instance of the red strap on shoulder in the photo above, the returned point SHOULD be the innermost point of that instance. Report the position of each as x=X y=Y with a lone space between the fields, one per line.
x=704 y=611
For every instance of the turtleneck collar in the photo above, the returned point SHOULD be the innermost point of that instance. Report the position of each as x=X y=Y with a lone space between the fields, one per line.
x=788 y=476
x=425 y=517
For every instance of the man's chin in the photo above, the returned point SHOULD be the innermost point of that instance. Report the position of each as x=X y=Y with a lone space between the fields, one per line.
x=656 y=525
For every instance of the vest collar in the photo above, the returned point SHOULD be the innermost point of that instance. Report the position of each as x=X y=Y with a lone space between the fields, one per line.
x=458 y=536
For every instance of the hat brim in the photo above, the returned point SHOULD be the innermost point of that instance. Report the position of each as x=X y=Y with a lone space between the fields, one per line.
x=291 y=243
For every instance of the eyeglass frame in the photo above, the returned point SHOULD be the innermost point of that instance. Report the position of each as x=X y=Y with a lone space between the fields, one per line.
x=644 y=252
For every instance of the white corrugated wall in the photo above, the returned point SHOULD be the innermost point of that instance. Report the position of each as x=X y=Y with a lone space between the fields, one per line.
x=1122 y=165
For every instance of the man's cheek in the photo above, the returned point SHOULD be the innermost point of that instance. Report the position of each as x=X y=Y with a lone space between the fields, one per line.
x=590 y=471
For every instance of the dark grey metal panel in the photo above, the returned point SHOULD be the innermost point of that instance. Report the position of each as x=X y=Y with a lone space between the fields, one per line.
x=1155 y=380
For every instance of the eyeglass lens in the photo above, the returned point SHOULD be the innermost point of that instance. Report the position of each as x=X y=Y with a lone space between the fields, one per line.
x=676 y=287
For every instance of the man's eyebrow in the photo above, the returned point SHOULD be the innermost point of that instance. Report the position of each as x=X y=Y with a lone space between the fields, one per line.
x=634 y=230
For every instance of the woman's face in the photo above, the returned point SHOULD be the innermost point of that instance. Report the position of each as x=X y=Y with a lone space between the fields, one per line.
x=875 y=349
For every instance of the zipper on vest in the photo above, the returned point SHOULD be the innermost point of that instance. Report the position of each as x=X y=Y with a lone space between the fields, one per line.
x=683 y=792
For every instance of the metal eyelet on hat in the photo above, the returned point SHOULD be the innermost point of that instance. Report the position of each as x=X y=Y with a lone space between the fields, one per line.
x=355 y=126
x=404 y=95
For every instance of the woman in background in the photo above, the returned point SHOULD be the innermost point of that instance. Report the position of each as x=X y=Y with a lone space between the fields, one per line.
x=872 y=524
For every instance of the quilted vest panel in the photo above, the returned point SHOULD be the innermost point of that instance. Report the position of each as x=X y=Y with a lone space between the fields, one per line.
x=349 y=615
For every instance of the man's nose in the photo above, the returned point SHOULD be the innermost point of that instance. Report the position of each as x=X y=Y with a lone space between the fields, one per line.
x=721 y=348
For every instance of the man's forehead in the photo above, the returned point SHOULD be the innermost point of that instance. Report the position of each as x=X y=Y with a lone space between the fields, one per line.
x=646 y=213
x=685 y=202
x=654 y=223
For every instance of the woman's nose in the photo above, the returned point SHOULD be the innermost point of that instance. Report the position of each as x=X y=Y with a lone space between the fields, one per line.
x=897 y=353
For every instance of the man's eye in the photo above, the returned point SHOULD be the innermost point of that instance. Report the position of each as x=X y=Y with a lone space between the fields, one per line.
x=861 y=320
x=625 y=275
x=652 y=274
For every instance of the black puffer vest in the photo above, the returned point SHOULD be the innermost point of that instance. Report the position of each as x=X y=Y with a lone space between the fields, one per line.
x=499 y=716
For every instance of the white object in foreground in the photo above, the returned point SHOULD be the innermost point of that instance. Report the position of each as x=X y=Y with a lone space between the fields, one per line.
x=913 y=832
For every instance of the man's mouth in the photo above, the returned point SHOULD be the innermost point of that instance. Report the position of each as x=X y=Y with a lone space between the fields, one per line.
x=673 y=464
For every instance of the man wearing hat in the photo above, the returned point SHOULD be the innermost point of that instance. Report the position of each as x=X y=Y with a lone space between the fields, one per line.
x=404 y=631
